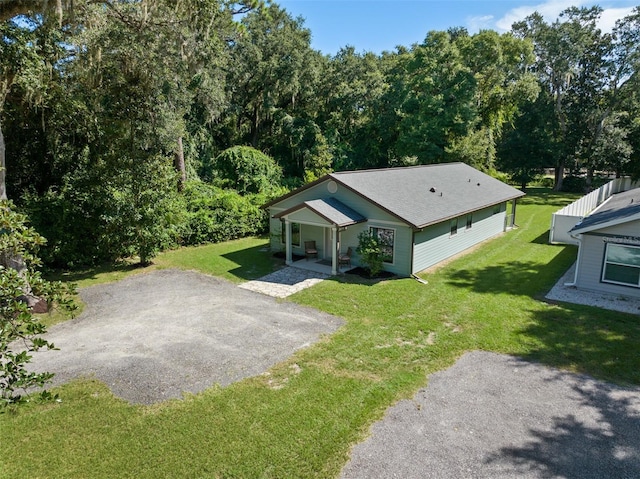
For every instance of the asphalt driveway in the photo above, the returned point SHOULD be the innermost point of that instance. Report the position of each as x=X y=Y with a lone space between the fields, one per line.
x=152 y=336
x=492 y=416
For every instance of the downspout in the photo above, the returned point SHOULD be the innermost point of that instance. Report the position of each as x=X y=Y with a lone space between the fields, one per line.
x=578 y=238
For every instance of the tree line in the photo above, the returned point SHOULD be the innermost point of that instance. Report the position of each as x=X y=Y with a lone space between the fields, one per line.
x=128 y=127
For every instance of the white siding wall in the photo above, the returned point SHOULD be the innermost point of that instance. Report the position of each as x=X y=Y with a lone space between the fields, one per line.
x=435 y=243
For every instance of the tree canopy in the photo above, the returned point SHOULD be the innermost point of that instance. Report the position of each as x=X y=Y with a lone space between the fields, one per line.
x=118 y=119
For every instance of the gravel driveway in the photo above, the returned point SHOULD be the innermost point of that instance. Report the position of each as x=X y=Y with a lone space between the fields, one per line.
x=495 y=416
x=152 y=336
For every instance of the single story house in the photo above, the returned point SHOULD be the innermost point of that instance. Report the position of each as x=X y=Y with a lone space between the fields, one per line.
x=609 y=246
x=422 y=214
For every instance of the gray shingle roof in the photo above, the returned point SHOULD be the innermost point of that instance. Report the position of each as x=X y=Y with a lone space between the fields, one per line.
x=331 y=209
x=407 y=192
x=618 y=208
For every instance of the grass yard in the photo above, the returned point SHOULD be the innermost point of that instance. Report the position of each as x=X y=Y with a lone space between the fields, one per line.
x=301 y=419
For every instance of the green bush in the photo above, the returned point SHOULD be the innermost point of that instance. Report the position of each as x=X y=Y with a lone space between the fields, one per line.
x=97 y=217
x=574 y=184
x=498 y=175
x=370 y=252
x=215 y=215
x=249 y=171
x=545 y=182
x=20 y=330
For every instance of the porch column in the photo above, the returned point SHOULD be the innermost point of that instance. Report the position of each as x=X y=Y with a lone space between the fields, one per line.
x=513 y=213
x=334 y=255
x=287 y=241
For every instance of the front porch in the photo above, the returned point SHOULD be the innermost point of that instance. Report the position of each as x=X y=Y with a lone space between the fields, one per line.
x=321 y=223
x=319 y=266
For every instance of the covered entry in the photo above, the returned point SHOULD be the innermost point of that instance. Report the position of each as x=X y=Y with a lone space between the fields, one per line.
x=327 y=217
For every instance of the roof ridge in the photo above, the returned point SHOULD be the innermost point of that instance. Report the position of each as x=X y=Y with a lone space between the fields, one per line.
x=369 y=170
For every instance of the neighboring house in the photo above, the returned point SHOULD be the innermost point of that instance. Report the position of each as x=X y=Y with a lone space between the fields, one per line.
x=423 y=214
x=609 y=246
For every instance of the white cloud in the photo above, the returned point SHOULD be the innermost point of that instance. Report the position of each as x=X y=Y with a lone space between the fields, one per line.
x=475 y=24
x=610 y=15
x=551 y=10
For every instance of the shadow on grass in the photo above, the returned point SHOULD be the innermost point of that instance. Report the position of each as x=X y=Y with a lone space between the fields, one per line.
x=575 y=447
x=517 y=277
x=542 y=239
x=599 y=342
x=253 y=262
x=93 y=273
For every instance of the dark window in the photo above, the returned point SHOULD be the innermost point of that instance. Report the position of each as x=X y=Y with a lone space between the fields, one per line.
x=454 y=227
x=469 y=221
x=295 y=233
x=622 y=265
x=387 y=238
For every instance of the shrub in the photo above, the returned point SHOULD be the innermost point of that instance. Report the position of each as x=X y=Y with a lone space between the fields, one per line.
x=574 y=184
x=215 y=215
x=370 y=252
x=20 y=331
x=249 y=171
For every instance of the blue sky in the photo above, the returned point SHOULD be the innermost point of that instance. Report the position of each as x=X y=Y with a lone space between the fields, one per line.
x=378 y=25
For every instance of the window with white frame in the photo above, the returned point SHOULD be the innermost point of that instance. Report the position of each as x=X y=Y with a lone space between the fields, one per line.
x=295 y=233
x=454 y=226
x=622 y=265
x=386 y=236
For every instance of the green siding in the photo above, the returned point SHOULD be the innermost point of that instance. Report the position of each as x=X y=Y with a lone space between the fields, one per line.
x=435 y=243
x=430 y=246
x=354 y=201
x=306 y=216
x=349 y=237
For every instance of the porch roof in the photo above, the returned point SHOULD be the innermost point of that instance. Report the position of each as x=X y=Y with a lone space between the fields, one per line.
x=331 y=210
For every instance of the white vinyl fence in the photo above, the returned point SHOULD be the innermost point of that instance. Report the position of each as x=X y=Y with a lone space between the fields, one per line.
x=563 y=220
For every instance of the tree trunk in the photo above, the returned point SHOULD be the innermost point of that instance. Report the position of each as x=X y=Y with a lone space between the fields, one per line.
x=559 y=176
x=562 y=120
x=589 y=178
x=179 y=165
x=255 y=126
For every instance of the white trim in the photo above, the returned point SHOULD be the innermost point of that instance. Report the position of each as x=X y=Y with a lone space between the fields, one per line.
x=608 y=224
x=605 y=263
x=334 y=251
x=321 y=225
x=310 y=223
x=394 y=223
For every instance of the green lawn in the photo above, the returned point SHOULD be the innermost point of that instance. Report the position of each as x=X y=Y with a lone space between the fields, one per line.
x=237 y=261
x=302 y=419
